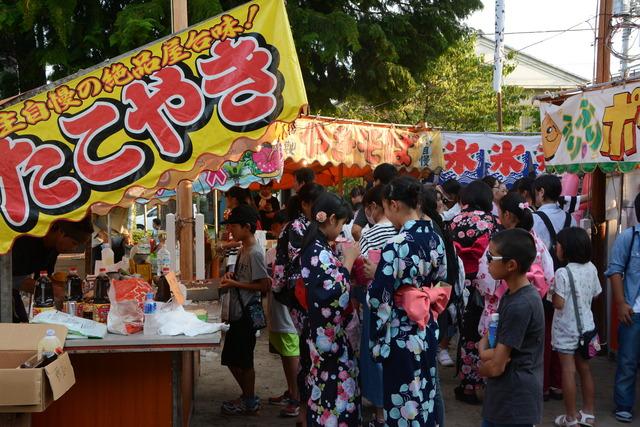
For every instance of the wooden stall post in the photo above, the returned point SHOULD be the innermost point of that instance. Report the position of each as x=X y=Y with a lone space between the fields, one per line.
x=6 y=287
x=179 y=21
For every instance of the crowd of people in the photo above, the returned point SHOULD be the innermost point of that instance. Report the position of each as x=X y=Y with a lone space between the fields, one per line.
x=367 y=295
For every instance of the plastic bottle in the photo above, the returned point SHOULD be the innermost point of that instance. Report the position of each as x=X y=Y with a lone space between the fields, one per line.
x=150 y=317
x=107 y=255
x=164 y=290
x=493 y=330
x=101 y=289
x=149 y=304
x=74 y=285
x=43 y=297
x=164 y=258
x=49 y=346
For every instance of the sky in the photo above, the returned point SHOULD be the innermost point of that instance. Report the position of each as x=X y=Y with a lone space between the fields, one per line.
x=572 y=51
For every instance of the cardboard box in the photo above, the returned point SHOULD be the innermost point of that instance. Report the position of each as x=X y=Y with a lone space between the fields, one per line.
x=30 y=390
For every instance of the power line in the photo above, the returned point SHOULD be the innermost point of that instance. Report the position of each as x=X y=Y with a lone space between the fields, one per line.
x=554 y=35
x=540 y=31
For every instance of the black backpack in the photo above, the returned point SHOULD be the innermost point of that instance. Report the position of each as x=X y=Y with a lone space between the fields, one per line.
x=554 y=236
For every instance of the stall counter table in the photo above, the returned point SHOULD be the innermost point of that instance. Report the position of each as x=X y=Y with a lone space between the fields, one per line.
x=133 y=380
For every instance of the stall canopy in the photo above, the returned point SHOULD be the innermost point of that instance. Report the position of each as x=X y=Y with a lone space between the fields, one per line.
x=149 y=118
x=508 y=157
x=337 y=148
x=594 y=128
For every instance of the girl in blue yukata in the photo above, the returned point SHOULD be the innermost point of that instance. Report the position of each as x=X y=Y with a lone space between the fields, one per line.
x=330 y=325
x=405 y=299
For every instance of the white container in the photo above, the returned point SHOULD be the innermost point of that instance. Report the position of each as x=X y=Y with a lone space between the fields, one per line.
x=163 y=258
x=151 y=324
x=49 y=345
x=107 y=255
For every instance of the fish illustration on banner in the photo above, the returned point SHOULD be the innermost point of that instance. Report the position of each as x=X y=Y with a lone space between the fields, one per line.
x=260 y=167
x=594 y=128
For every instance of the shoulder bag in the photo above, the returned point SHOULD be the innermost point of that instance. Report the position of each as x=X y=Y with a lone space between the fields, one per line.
x=588 y=342
x=253 y=312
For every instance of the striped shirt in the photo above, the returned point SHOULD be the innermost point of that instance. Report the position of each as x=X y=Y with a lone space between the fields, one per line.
x=376 y=237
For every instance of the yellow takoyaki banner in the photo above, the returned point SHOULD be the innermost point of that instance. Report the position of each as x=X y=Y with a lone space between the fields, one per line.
x=598 y=128
x=149 y=118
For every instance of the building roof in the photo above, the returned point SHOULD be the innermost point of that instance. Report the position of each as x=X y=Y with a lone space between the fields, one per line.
x=531 y=72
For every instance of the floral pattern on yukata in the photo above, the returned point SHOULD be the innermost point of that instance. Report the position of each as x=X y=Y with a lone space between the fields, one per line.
x=493 y=290
x=287 y=266
x=466 y=228
x=415 y=257
x=332 y=378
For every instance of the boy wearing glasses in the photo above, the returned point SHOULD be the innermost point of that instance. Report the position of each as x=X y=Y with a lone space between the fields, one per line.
x=514 y=368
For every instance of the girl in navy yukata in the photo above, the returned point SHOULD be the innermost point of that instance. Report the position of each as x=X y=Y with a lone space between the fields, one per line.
x=332 y=377
x=405 y=299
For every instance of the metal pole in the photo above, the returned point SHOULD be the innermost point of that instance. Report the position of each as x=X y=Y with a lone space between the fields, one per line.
x=6 y=288
x=499 y=100
x=216 y=212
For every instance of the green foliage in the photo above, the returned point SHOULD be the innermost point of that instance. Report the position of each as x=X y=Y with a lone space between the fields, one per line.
x=139 y=23
x=371 y=49
x=455 y=94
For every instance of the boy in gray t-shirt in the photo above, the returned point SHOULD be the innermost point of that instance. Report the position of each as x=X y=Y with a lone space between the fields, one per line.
x=244 y=286
x=514 y=368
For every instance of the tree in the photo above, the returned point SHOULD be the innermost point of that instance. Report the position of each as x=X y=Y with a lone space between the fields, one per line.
x=374 y=49
x=455 y=94
x=44 y=40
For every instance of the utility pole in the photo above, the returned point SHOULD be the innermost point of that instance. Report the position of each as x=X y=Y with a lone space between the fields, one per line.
x=498 y=57
x=184 y=194
x=599 y=181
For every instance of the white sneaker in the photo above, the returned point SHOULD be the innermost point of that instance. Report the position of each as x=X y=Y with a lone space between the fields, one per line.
x=444 y=358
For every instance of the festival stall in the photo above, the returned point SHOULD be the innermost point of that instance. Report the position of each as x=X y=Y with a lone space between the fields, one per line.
x=507 y=157
x=598 y=128
x=143 y=121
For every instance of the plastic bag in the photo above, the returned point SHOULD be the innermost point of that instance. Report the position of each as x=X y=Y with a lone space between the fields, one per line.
x=76 y=325
x=172 y=319
x=126 y=315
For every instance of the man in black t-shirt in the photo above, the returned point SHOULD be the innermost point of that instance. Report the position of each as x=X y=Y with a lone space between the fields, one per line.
x=30 y=255
x=382 y=174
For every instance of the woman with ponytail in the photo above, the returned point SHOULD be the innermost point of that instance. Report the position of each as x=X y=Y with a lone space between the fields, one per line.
x=515 y=212
x=332 y=377
x=405 y=301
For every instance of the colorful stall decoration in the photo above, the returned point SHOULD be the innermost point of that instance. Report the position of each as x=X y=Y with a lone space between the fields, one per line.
x=330 y=141
x=259 y=167
x=595 y=128
x=149 y=118
x=470 y=156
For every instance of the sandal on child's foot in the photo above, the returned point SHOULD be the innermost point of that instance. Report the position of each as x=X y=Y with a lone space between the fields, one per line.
x=562 y=421
x=586 y=420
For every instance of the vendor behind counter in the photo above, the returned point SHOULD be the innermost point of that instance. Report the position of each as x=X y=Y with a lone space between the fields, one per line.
x=30 y=255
